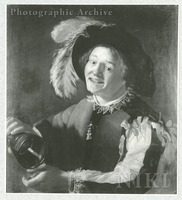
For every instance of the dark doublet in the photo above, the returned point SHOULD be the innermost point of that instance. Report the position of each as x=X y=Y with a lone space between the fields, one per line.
x=68 y=148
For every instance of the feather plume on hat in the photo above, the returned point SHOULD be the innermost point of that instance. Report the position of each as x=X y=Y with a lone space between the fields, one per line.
x=62 y=74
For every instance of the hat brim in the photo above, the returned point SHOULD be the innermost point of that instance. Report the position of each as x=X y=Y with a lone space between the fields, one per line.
x=138 y=63
x=114 y=36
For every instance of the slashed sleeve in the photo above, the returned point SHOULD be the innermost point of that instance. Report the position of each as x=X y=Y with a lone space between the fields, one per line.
x=138 y=140
x=53 y=131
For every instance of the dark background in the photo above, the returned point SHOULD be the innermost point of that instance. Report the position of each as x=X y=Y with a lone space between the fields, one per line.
x=30 y=48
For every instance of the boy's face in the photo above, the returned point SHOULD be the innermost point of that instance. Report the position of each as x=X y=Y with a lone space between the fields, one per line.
x=104 y=74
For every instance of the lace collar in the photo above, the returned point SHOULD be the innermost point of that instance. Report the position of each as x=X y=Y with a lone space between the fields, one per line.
x=112 y=105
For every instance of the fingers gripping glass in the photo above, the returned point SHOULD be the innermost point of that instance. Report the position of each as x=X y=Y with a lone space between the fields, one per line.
x=29 y=149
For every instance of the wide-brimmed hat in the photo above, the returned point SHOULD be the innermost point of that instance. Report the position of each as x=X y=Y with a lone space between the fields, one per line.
x=78 y=36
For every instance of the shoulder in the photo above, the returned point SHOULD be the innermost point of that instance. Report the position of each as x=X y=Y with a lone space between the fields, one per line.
x=138 y=107
x=81 y=105
x=62 y=118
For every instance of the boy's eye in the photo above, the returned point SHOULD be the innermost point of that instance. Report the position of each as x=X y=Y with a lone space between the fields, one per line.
x=109 y=68
x=92 y=62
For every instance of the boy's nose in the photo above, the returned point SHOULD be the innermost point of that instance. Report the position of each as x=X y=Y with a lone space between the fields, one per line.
x=98 y=69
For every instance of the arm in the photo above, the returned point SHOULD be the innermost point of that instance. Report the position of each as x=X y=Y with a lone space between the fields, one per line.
x=53 y=122
x=123 y=178
x=138 y=140
x=96 y=181
x=53 y=130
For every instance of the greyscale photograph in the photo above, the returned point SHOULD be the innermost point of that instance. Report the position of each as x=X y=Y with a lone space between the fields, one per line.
x=92 y=99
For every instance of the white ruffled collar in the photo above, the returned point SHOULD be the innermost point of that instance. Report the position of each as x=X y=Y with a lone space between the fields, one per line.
x=112 y=105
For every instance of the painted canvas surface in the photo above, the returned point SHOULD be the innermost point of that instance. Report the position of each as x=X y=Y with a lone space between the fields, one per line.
x=31 y=96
